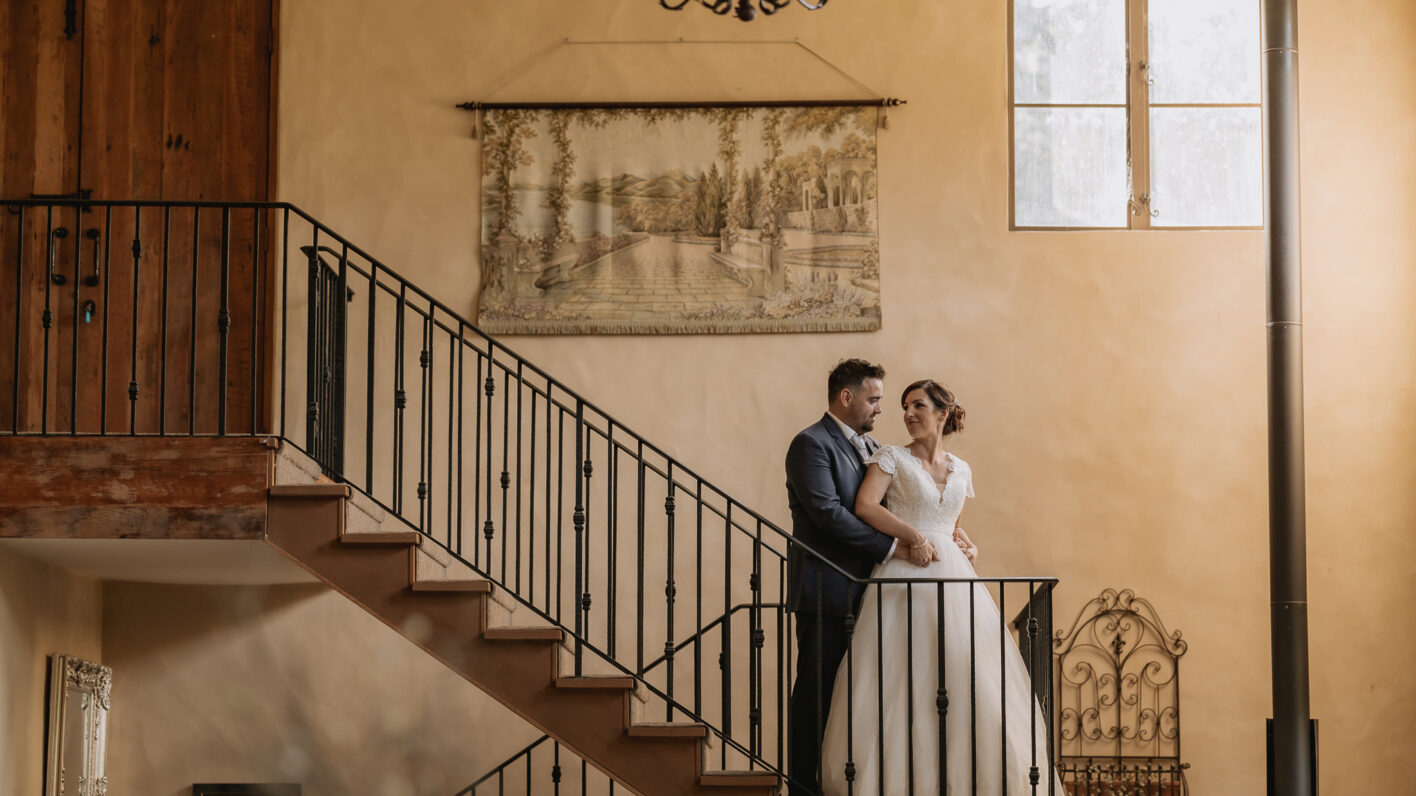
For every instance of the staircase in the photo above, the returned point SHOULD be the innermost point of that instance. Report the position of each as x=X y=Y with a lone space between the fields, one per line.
x=518 y=666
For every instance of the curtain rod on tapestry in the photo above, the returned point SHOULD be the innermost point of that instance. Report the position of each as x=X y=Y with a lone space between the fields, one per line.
x=876 y=101
x=884 y=102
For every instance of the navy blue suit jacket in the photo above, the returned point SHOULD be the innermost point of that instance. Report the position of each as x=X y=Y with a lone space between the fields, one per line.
x=823 y=475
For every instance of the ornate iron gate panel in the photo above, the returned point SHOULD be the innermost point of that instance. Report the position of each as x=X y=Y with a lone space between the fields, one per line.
x=325 y=376
x=1118 y=700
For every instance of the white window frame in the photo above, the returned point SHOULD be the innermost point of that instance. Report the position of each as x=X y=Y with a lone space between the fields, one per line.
x=1139 y=213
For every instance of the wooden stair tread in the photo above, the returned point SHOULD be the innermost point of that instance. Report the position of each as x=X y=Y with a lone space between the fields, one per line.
x=471 y=586
x=669 y=729
x=608 y=681
x=739 y=779
x=523 y=633
x=383 y=537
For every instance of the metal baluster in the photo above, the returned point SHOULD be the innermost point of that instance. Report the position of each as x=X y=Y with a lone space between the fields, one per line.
x=520 y=388
x=697 y=598
x=489 y=529
x=74 y=341
x=454 y=489
x=725 y=657
x=47 y=320
x=611 y=533
x=400 y=396
x=133 y=373
x=1032 y=625
x=162 y=371
x=880 y=685
x=579 y=521
x=669 y=593
x=973 y=693
x=556 y=771
x=505 y=473
x=192 y=330
x=284 y=306
x=639 y=558
x=257 y=357
x=531 y=508
x=941 y=698
x=461 y=420
x=754 y=655
x=1049 y=699
x=317 y=335
x=107 y=283
x=550 y=405
x=560 y=514
x=1003 y=681
x=783 y=666
x=477 y=391
x=19 y=310
x=585 y=599
x=425 y=399
x=339 y=387
x=850 y=771
x=223 y=318
x=369 y=385
x=909 y=688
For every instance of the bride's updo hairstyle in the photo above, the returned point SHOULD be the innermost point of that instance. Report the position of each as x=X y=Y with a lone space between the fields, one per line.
x=940 y=396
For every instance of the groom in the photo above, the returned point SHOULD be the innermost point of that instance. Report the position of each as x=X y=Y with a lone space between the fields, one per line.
x=825 y=465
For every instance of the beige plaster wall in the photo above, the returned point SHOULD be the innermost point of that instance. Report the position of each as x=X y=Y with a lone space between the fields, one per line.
x=1115 y=380
x=43 y=610
x=286 y=684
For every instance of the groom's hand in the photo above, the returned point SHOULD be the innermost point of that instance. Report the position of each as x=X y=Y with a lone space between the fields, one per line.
x=923 y=554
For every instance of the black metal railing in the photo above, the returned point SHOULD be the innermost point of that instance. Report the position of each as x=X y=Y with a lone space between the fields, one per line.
x=589 y=525
x=538 y=765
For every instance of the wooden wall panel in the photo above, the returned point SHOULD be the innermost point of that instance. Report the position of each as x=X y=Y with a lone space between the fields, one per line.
x=176 y=105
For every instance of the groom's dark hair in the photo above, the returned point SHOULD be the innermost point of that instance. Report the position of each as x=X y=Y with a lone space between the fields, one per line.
x=850 y=374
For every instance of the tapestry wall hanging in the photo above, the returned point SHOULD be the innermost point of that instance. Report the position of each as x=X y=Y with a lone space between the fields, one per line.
x=669 y=220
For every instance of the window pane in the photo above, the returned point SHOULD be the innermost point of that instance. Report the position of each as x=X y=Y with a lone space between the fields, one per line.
x=1069 y=51
x=1206 y=167
x=1204 y=50
x=1069 y=167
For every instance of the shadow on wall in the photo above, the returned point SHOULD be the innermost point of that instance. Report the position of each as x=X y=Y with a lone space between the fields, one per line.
x=286 y=684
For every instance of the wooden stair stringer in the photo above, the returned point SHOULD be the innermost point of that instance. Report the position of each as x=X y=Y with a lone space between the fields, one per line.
x=305 y=525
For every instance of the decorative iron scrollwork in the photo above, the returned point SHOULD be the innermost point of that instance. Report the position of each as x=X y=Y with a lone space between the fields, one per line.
x=744 y=10
x=1118 y=688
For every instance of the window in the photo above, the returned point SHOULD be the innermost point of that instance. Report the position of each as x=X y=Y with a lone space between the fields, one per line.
x=1136 y=114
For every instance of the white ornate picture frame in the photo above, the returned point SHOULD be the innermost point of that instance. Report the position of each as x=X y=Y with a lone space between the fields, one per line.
x=78 y=727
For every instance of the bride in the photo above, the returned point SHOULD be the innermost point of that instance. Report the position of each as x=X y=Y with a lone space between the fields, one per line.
x=892 y=670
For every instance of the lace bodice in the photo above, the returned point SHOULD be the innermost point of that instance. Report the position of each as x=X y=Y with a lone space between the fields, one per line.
x=915 y=498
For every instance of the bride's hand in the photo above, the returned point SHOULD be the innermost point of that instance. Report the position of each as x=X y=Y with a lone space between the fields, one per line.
x=970 y=550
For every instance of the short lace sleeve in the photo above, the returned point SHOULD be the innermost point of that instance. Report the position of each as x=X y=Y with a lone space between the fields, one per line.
x=885 y=457
x=967 y=472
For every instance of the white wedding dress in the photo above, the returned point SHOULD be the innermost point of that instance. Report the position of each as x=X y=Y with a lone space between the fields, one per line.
x=892 y=673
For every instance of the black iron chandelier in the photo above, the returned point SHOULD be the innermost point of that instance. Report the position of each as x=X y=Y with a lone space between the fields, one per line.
x=743 y=8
